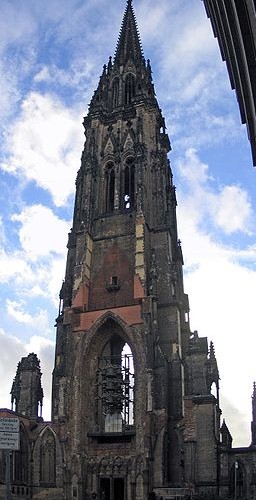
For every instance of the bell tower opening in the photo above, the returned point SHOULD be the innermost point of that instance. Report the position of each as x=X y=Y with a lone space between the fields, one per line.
x=129 y=89
x=128 y=184
x=115 y=386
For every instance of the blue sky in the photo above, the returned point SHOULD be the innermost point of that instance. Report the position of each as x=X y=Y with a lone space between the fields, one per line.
x=52 y=55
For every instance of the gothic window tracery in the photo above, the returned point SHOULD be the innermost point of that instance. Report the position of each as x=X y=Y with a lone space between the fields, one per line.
x=129 y=88
x=128 y=184
x=109 y=182
x=48 y=458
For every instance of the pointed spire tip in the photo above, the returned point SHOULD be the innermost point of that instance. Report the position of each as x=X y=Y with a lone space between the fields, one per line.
x=129 y=43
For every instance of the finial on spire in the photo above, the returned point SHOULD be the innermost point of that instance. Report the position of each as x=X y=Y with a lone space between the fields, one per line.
x=254 y=390
x=129 y=44
x=109 y=64
x=212 y=350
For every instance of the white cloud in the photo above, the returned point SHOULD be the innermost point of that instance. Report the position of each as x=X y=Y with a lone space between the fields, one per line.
x=227 y=207
x=43 y=75
x=13 y=267
x=17 y=56
x=233 y=210
x=10 y=94
x=16 y=24
x=192 y=169
x=39 y=320
x=41 y=231
x=37 y=344
x=37 y=270
x=153 y=17
x=45 y=146
x=31 y=279
x=189 y=43
x=195 y=86
x=2 y=232
x=78 y=73
x=193 y=47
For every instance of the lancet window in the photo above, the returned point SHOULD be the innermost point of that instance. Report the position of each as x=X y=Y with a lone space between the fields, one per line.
x=115 y=93
x=109 y=187
x=128 y=184
x=48 y=458
x=236 y=485
x=129 y=88
x=20 y=460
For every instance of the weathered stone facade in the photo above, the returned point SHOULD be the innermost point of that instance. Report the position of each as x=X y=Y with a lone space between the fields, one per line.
x=133 y=416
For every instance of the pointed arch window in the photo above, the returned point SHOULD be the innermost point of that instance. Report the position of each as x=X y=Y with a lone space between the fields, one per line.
x=109 y=188
x=129 y=184
x=74 y=486
x=129 y=88
x=115 y=93
x=20 y=460
x=115 y=385
x=236 y=485
x=48 y=458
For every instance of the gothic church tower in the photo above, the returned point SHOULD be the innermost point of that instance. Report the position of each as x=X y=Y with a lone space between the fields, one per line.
x=128 y=374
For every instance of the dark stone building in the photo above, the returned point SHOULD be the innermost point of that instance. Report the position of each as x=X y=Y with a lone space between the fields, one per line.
x=234 y=25
x=133 y=412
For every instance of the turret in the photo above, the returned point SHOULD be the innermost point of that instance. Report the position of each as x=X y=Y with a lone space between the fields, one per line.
x=212 y=375
x=226 y=438
x=27 y=392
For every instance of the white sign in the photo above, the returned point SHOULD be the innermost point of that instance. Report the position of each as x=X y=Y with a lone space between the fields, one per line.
x=9 y=424
x=9 y=433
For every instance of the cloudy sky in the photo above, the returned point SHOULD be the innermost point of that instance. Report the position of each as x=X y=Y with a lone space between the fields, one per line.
x=51 y=56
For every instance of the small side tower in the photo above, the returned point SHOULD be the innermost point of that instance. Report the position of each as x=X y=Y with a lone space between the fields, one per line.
x=226 y=438
x=212 y=376
x=27 y=392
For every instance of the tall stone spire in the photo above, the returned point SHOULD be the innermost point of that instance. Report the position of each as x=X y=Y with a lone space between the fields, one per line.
x=124 y=287
x=128 y=45
x=126 y=79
